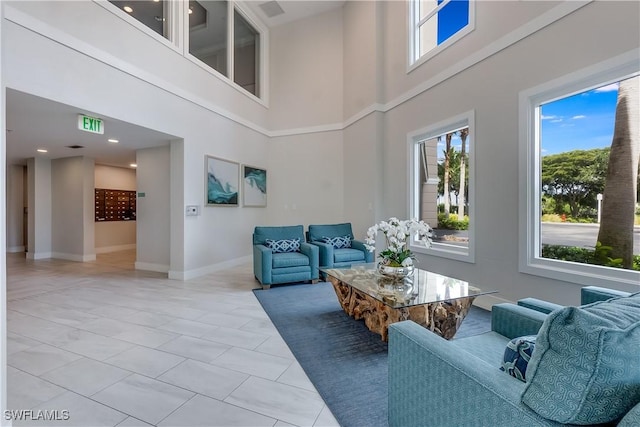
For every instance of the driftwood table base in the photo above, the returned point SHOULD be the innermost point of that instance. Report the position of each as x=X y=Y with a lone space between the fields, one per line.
x=443 y=318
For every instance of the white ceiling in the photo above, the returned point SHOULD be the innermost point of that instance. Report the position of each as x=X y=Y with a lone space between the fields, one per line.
x=34 y=122
x=293 y=10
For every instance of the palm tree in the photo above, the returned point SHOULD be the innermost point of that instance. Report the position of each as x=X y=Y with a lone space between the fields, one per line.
x=620 y=190
x=461 y=200
x=447 y=166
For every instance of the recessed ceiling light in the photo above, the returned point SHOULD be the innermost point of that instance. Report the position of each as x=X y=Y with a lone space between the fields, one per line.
x=190 y=10
x=128 y=9
x=115 y=141
x=133 y=165
x=42 y=150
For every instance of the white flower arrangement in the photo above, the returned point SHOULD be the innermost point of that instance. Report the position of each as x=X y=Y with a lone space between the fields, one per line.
x=397 y=233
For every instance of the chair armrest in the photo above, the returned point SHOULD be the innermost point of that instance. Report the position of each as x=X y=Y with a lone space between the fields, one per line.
x=325 y=253
x=368 y=255
x=434 y=382
x=312 y=252
x=589 y=294
x=514 y=321
x=262 y=263
x=539 y=305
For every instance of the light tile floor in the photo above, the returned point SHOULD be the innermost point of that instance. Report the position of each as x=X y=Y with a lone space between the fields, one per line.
x=119 y=347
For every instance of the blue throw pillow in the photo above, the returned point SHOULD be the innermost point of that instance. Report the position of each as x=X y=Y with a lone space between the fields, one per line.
x=285 y=245
x=339 y=242
x=517 y=355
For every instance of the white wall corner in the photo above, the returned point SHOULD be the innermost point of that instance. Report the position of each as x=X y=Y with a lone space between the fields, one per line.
x=39 y=255
x=73 y=257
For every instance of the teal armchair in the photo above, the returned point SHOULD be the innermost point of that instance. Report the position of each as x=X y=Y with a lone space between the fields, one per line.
x=337 y=246
x=435 y=382
x=281 y=255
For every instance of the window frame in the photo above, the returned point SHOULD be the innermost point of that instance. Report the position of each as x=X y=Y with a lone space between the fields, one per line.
x=530 y=257
x=414 y=24
x=443 y=250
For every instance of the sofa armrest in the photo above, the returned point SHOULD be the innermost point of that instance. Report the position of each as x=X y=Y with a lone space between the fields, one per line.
x=433 y=382
x=368 y=255
x=325 y=253
x=514 y=321
x=589 y=294
x=262 y=263
x=542 y=306
x=312 y=252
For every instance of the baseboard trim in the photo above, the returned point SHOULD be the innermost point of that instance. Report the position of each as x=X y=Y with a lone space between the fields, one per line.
x=73 y=257
x=198 y=272
x=15 y=249
x=149 y=266
x=117 y=248
x=39 y=255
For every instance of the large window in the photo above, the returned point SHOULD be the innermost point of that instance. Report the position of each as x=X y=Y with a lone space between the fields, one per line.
x=437 y=24
x=583 y=150
x=229 y=46
x=442 y=185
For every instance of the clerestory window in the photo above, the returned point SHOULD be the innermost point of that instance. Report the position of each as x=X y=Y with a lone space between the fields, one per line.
x=436 y=24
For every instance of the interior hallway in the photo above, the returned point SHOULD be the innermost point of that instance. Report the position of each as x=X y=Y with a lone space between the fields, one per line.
x=119 y=347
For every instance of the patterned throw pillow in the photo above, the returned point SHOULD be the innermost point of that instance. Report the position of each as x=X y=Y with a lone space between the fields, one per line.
x=517 y=355
x=339 y=242
x=278 y=246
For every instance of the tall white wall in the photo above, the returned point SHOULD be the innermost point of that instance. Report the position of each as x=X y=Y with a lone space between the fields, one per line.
x=450 y=84
x=115 y=235
x=153 y=209
x=15 y=208
x=306 y=72
x=39 y=214
x=72 y=208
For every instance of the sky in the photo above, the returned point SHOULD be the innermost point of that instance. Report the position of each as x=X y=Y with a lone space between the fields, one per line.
x=579 y=122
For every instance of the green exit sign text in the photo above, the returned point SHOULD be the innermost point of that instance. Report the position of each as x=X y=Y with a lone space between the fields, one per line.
x=90 y=124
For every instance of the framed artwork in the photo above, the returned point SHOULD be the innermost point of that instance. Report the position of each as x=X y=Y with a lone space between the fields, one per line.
x=254 y=186
x=222 y=182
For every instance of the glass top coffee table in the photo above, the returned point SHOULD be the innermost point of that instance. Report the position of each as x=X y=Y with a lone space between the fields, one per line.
x=437 y=302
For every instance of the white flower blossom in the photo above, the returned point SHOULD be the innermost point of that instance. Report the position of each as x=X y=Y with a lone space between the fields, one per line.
x=397 y=234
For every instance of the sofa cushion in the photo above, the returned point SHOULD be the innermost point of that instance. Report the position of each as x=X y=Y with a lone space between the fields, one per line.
x=517 y=355
x=585 y=367
x=338 y=242
x=284 y=245
x=289 y=259
x=348 y=255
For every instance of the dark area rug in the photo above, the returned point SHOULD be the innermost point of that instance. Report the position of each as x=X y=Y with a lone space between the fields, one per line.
x=345 y=361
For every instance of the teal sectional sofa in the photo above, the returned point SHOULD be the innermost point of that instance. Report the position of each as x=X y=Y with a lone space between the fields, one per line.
x=584 y=370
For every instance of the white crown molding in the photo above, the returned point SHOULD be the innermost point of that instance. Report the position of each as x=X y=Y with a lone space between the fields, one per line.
x=29 y=22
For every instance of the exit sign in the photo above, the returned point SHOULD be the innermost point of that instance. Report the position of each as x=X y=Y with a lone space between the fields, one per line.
x=90 y=124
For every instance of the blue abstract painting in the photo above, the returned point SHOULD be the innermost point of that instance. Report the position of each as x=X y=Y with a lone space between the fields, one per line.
x=254 y=186
x=222 y=182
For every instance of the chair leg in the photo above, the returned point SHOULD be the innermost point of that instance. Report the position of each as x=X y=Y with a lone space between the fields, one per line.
x=265 y=287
